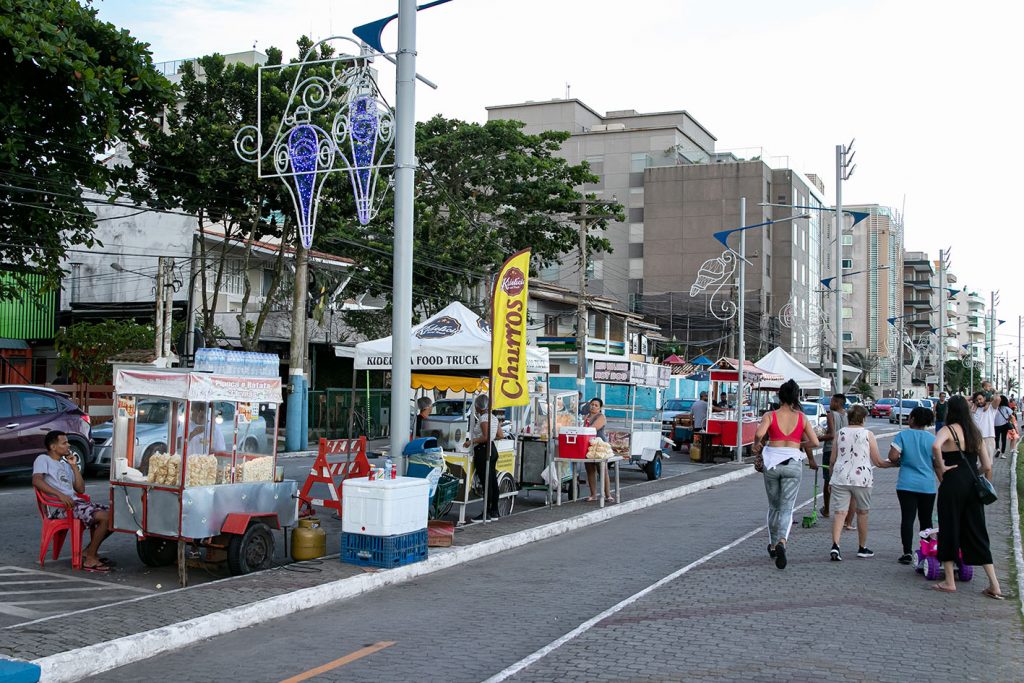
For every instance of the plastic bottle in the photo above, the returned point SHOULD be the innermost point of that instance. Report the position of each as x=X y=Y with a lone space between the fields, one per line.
x=389 y=468
x=199 y=363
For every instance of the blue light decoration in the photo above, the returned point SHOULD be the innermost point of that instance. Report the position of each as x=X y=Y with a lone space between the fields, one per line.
x=338 y=93
x=302 y=152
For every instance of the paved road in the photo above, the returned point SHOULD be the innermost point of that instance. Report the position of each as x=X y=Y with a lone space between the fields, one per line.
x=727 y=613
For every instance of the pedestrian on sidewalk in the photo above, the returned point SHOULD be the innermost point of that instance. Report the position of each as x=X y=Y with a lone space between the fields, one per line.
x=854 y=458
x=911 y=451
x=482 y=440
x=940 y=411
x=1002 y=425
x=781 y=461
x=957 y=455
x=984 y=410
x=836 y=420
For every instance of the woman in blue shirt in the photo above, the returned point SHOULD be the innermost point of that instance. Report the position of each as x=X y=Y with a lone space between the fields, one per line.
x=915 y=486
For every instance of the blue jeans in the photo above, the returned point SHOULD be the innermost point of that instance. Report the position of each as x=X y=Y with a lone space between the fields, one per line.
x=782 y=484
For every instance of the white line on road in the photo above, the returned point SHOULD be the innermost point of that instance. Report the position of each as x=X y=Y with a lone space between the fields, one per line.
x=65 y=590
x=618 y=607
x=36 y=572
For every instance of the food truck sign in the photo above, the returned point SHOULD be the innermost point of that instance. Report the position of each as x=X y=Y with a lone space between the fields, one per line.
x=508 y=333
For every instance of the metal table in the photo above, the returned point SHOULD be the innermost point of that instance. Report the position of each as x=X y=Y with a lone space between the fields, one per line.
x=602 y=474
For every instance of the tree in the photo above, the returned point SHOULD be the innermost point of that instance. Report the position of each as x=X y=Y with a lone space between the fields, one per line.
x=73 y=86
x=958 y=375
x=83 y=349
x=483 y=191
x=864 y=389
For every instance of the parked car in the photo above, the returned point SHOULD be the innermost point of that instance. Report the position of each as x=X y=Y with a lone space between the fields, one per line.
x=882 y=407
x=855 y=398
x=672 y=408
x=448 y=422
x=151 y=429
x=901 y=410
x=826 y=401
x=27 y=413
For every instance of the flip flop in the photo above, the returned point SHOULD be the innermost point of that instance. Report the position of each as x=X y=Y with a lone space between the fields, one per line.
x=97 y=568
x=609 y=499
x=942 y=589
x=107 y=562
x=989 y=593
x=591 y=499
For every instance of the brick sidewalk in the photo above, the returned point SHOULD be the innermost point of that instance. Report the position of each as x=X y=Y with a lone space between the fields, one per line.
x=105 y=623
x=736 y=617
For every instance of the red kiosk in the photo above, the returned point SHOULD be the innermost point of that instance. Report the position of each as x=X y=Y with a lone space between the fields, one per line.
x=722 y=425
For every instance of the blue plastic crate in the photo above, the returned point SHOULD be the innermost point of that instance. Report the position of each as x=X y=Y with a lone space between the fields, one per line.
x=384 y=551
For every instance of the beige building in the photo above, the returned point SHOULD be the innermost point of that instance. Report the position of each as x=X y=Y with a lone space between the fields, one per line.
x=677 y=191
x=972 y=325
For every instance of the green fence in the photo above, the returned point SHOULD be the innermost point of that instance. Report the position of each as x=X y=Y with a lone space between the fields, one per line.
x=329 y=413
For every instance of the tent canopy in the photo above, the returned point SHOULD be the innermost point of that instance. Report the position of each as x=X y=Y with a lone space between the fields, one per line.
x=673 y=360
x=454 y=339
x=779 y=362
x=702 y=360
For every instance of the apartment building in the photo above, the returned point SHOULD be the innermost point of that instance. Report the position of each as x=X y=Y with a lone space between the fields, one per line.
x=677 y=192
x=920 y=318
x=972 y=326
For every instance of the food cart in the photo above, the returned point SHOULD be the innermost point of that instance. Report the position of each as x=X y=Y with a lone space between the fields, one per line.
x=208 y=491
x=633 y=431
x=723 y=422
x=452 y=349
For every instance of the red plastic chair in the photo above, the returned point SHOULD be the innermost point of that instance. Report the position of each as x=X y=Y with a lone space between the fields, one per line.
x=56 y=530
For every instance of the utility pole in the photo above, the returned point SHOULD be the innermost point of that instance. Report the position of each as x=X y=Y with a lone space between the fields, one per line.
x=741 y=321
x=581 y=307
x=168 y=307
x=296 y=437
x=1020 y=322
x=158 y=319
x=843 y=172
x=942 y=319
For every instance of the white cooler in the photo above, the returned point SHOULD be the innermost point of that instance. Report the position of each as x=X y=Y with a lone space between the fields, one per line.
x=384 y=507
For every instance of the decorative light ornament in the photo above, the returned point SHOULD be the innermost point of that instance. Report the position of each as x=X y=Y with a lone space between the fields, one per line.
x=304 y=152
x=716 y=272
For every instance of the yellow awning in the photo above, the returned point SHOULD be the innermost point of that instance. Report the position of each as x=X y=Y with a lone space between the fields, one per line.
x=449 y=383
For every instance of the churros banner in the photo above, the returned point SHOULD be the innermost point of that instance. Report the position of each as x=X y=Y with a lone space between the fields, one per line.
x=508 y=333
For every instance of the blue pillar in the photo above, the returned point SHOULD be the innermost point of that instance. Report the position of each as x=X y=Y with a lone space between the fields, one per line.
x=296 y=429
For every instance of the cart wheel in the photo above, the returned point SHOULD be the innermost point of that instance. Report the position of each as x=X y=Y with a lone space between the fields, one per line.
x=653 y=469
x=156 y=552
x=932 y=568
x=251 y=551
x=505 y=505
x=966 y=571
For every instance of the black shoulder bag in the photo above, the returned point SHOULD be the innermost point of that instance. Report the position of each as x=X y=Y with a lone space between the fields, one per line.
x=982 y=487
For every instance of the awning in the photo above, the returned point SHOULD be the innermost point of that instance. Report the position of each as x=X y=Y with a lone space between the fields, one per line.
x=470 y=385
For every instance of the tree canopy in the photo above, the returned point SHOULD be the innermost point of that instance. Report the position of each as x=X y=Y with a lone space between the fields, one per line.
x=73 y=86
x=483 y=192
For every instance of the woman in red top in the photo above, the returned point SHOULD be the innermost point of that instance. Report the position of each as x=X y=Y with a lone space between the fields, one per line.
x=785 y=430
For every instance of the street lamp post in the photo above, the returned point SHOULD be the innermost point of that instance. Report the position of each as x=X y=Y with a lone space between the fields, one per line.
x=843 y=172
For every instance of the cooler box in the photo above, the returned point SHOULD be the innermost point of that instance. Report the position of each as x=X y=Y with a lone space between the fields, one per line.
x=384 y=507
x=574 y=442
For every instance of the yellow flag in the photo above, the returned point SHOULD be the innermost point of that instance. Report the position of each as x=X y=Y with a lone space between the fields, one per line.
x=508 y=333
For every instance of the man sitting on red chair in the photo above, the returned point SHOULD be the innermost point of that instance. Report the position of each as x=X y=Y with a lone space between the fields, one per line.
x=57 y=472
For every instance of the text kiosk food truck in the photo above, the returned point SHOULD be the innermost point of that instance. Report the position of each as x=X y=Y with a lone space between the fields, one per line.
x=722 y=425
x=454 y=346
x=634 y=426
x=209 y=482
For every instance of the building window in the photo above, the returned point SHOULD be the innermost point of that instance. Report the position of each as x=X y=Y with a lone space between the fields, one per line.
x=847 y=336
x=847 y=263
x=636 y=233
x=847 y=240
x=847 y=288
x=551 y=325
x=638 y=161
x=636 y=268
x=847 y=312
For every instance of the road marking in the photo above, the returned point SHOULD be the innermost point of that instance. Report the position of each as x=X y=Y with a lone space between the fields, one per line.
x=347 y=659
x=618 y=607
x=80 y=579
x=64 y=590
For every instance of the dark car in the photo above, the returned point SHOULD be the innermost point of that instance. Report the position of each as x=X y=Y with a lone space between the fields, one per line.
x=27 y=413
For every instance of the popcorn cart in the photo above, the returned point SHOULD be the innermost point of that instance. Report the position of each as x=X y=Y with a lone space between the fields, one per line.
x=193 y=468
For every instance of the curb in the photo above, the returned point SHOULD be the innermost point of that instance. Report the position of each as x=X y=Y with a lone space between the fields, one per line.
x=77 y=664
x=1018 y=554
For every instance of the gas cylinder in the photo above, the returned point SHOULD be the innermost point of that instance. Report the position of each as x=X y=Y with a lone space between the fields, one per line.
x=309 y=540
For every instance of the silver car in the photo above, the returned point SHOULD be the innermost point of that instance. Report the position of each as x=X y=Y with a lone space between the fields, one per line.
x=448 y=422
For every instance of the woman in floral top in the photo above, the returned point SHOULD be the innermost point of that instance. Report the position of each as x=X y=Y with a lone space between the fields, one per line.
x=854 y=455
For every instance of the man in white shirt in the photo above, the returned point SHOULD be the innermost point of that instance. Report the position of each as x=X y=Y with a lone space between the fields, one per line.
x=984 y=413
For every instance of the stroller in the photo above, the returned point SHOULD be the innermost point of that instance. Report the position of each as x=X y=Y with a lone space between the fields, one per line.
x=926 y=559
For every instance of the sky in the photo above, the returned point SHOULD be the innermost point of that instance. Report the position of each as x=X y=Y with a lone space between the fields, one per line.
x=928 y=89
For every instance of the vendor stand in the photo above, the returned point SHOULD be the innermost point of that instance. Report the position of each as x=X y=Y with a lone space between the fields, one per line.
x=635 y=432
x=212 y=485
x=724 y=424
x=454 y=348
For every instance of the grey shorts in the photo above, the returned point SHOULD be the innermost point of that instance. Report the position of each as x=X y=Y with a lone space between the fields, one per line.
x=841 y=497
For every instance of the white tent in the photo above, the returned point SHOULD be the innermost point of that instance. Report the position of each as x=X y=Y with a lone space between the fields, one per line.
x=778 y=362
x=455 y=339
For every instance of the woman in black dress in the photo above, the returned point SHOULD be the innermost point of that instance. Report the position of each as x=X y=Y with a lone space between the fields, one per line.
x=958 y=452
